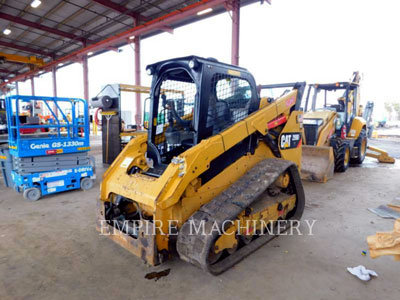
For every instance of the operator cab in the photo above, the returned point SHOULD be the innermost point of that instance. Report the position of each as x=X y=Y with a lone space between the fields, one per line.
x=192 y=99
x=340 y=98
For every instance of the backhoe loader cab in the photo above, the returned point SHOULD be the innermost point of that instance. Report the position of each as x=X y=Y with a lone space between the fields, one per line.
x=215 y=155
x=324 y=102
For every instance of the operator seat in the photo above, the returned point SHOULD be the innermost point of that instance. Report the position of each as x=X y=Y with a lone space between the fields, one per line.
x=218 y=116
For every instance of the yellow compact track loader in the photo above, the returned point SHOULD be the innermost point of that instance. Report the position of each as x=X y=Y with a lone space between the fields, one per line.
x=217 y=167
x=335 y=133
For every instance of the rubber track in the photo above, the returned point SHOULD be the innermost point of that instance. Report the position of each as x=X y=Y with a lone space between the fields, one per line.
x=194 y=248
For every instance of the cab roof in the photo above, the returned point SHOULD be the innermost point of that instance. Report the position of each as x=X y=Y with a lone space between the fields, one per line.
x=336 y=85
x=202 y=60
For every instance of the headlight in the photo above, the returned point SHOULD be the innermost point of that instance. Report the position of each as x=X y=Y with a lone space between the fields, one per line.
x=193 y=64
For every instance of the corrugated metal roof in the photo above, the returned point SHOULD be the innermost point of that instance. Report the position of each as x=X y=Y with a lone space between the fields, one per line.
x=61 y=27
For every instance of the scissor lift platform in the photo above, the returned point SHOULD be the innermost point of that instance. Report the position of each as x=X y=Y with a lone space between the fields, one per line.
x=48 y=145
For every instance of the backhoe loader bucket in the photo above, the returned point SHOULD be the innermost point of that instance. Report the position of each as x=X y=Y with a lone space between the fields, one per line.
x=317 y=163
x=382 y=156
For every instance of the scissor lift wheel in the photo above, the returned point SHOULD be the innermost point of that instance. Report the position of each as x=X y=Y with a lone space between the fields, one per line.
x=86 y=183
x=32 y=194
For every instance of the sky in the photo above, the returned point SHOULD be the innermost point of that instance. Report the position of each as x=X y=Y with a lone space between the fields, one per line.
x=290 y=40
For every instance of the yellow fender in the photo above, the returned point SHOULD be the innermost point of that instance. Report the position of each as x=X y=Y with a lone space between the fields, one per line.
x=356 y=127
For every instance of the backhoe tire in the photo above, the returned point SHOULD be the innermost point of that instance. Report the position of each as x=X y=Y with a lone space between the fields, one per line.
x=341 y=152
x=361 y=144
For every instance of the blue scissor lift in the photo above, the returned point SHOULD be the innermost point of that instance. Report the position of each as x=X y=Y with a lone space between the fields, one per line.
x=48 y=144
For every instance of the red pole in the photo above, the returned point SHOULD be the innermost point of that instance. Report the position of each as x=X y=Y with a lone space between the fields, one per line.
x=85 y=78
x=235 y=31
x=138 y=116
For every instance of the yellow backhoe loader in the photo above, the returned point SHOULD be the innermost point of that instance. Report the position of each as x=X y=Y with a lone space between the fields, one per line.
x=214 y=177
x=335 y=133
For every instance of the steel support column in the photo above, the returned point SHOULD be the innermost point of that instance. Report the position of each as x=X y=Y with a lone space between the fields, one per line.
x=54 y=77
x=138 y=115
x=33 y=86
x=235 y=31
x=85 y=78
x=16 y=88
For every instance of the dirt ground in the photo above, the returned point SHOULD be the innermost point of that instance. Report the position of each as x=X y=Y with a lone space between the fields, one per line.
x=50 y=250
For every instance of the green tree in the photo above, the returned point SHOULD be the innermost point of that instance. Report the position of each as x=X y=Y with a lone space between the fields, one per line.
x=388 y=107
x=396 y=108
x=393 y=107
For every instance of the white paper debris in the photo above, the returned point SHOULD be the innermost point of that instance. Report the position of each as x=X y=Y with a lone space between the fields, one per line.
x=362 y=273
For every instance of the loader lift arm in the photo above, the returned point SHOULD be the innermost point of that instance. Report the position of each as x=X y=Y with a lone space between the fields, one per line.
x=299 y=86
x=381 y=155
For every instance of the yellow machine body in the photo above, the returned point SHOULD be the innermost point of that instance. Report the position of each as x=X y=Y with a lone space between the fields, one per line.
x=179 y=191
x=318 y=161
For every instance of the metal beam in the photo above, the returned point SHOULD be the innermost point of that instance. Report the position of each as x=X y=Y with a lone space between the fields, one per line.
x=52 y=30
x=235 y=32
x=138 y=116
x=4 y=71
x=167 y=29
x=24 y=48
x=93 y=31
x=33 y=60
x=151 y=26
x=52 y=10
x=121 y=9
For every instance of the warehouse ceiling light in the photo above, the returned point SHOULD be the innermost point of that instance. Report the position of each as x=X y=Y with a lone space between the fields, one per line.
x=132 y=37
x=36 y=3
x=60 y=64
x=7 y=31
x=206 y=11
x=90 y=53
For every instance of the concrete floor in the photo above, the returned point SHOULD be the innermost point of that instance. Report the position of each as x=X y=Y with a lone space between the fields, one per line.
x=50 y=250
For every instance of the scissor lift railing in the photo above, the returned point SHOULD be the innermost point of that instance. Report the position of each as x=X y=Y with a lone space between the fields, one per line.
x=59 y=136
x=51 y=155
